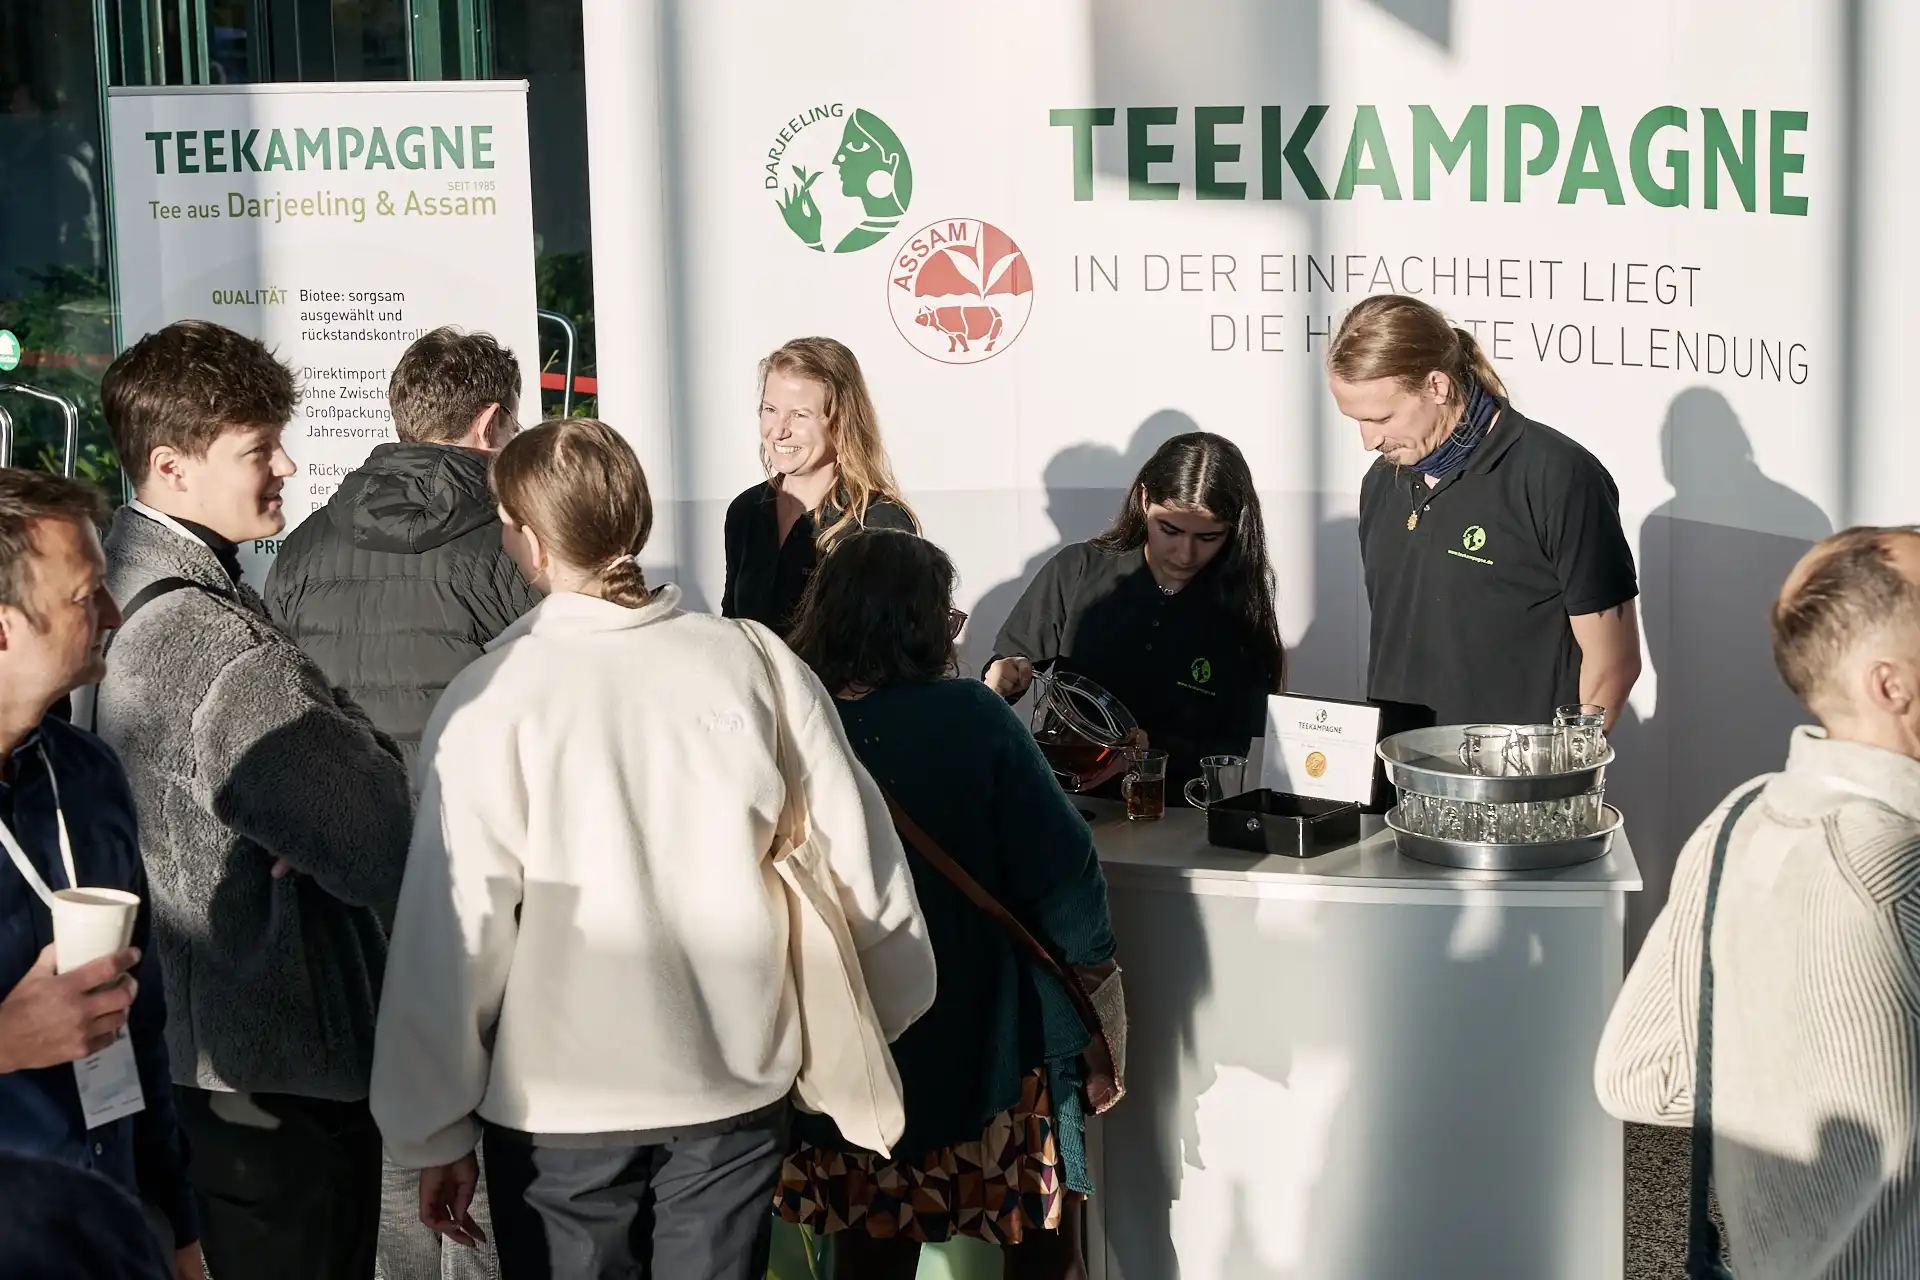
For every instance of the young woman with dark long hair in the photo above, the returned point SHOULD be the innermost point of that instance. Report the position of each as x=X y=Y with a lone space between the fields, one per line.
x=1171 y=610
x=991 y=1074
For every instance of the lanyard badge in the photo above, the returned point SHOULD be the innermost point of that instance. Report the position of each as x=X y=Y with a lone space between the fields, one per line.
x=109 y=1081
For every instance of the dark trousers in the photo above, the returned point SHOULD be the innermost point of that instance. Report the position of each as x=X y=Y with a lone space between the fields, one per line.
x=288 y=1188
x=697 y=1208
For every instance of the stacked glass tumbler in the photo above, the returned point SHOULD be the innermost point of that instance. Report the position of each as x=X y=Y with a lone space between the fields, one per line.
x=1575 y=740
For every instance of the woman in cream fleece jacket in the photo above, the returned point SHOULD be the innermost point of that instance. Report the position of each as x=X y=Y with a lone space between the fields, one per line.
x=589 y=962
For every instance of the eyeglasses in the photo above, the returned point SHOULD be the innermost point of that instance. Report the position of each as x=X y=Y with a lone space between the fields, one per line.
x=955 y=621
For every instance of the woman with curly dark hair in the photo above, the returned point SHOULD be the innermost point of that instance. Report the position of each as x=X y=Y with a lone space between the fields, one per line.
x=992 y=1073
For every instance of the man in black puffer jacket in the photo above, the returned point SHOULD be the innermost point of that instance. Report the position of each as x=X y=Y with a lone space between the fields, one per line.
x=400 y=580
x=392 y=588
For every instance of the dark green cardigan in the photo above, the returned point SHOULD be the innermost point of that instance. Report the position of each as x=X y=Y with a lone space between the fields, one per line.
x=958 y=760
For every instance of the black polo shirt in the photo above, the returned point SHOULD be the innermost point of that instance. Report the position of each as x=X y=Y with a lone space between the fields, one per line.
x=766 y=577
x=1183 y=663
x=1470 y=606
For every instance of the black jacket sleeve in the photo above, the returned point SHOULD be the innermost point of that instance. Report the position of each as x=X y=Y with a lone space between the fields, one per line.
x=507 y=598
x=735 y=540
x=281 y=592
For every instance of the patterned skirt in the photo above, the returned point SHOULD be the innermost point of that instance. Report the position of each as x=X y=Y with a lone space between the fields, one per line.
x=997 y=1187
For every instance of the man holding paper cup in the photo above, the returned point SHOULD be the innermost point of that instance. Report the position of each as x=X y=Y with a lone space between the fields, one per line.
x=84 y=1076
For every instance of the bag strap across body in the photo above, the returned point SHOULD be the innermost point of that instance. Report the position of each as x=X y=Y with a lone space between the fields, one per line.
x=1705 y=1260
x=976 y=893
x=154 y=590
x=141 y=599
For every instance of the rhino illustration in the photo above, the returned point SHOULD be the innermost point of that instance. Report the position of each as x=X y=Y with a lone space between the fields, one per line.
x=962 y=325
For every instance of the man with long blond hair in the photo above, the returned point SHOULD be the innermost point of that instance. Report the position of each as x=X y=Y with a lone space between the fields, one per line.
x=1498 y=576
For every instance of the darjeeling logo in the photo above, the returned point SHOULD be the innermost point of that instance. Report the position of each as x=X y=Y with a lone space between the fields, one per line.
x=1474 y=538
x=960 y=291
x=875 y=177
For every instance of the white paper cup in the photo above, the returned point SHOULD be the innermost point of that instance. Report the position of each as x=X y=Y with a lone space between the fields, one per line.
x=90 y=923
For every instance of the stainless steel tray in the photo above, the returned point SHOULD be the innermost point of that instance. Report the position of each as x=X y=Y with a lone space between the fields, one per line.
x=1428 y=761
x=1506 y=857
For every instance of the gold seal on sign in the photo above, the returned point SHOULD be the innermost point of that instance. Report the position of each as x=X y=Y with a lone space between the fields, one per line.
x=1316 y=764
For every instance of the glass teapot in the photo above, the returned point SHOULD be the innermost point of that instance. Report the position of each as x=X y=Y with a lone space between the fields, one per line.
x=1080 y=727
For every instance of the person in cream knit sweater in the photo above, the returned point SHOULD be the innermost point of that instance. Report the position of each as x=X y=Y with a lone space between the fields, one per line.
x=1815 y=1015
x=589 y=968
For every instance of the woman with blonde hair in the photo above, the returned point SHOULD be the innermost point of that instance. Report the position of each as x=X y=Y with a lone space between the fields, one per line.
x=827 y=474
x=589 y=970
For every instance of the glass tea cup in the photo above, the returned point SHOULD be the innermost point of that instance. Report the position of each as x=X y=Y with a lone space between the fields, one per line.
x=1583 y=726
x=1536 y=748
x=1221 y=778
x=1145 y=786
x=1484 y=751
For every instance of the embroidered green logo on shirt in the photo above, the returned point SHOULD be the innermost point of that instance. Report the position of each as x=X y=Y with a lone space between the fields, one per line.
x=1201 y=671
x=1473 y=539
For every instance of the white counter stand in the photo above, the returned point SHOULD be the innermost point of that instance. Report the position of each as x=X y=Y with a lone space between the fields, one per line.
x=1357 y=1067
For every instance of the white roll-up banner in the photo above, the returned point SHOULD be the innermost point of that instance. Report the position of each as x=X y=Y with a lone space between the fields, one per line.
x=336 y=223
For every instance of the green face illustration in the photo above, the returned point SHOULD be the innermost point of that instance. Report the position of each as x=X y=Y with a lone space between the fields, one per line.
x=874 y=168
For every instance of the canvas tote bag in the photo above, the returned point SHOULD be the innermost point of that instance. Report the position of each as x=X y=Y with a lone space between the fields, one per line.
x=846 y=1070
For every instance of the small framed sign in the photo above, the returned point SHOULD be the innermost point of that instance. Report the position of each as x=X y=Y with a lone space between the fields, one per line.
x=1320 y=747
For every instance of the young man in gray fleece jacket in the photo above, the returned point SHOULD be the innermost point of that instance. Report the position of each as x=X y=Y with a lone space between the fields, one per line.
x=273 y=817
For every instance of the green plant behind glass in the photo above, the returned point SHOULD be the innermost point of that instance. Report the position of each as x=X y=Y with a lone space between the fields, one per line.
x=65 y=319
x=563 y=282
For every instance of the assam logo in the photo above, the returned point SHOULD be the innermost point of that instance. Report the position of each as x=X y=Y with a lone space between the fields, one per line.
x=871 y=186
x=960 y=291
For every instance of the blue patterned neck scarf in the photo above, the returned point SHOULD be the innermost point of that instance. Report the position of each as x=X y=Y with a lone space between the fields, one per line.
x=1467 y=433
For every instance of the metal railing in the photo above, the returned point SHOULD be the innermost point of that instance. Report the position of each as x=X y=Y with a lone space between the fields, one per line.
x=573 y=345
x=69 y=412
x=6 y=438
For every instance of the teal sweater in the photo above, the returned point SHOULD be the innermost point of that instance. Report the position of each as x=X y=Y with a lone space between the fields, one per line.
x=961 y=764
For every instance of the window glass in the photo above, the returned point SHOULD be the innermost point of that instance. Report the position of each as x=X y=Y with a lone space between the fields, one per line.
x=540 y=41
x=370 y=40
x=53 y=246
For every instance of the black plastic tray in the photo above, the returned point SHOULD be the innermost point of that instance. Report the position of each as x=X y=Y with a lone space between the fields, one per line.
x=1278 y=823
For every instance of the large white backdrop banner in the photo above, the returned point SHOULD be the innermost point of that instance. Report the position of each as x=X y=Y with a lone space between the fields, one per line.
x=336 y=223
x=1057 y=234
